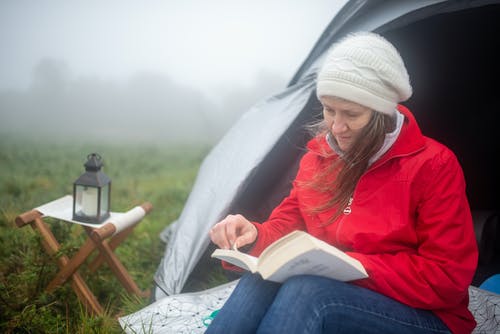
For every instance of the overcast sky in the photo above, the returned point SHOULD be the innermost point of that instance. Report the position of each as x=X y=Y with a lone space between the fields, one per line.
x=194 y=41
x=207 y=46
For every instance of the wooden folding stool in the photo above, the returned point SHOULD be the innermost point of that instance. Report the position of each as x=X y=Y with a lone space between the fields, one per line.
x=104 y=237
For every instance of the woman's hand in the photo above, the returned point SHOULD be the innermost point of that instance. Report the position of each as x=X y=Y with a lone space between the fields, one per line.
x=234 y=230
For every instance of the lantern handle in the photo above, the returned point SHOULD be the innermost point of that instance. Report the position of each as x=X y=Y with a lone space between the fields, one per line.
x=94 y=155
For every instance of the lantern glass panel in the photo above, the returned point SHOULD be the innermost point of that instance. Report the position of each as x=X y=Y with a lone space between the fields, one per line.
x=86 y=201
x=104 y=201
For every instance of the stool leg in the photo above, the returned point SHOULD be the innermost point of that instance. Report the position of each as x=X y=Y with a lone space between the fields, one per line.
x=81 y=289
x=72 y=266
x=84 y=294
x=113 y=243
x=119 y=270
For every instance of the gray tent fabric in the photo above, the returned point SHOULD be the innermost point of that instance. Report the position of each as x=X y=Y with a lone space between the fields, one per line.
x=246 y=165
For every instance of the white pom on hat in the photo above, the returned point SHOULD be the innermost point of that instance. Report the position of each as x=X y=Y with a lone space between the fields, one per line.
x=367 y=69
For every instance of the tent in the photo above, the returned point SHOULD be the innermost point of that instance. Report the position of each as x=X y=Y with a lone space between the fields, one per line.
x=450 y=51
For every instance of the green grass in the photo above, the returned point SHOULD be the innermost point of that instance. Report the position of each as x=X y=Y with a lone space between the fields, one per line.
x=33 y=172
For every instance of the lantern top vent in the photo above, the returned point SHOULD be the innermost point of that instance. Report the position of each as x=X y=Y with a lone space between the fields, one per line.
x=94 y=162
x=93 y=175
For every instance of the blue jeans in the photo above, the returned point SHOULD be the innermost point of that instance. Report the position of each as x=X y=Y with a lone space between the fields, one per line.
x=313 y=304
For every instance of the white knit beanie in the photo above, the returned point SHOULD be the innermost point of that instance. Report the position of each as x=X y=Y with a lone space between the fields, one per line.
x=367 y=69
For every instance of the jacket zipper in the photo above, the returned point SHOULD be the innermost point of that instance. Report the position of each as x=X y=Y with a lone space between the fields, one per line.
x=348 y=207
x=341 y=221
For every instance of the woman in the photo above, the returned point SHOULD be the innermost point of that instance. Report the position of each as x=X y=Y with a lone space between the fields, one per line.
x=372 y=185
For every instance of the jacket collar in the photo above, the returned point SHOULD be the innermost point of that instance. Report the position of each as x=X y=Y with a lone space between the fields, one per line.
x=410 y=139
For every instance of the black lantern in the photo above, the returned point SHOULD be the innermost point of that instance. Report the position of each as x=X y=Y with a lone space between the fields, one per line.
x=91 y=193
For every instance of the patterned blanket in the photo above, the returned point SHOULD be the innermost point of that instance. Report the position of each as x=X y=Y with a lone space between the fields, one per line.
x=191 y=312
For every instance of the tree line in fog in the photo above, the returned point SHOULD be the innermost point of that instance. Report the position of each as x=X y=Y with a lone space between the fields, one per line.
x=146 y=107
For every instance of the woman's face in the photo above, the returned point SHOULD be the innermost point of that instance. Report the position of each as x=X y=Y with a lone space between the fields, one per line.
x=344 y=119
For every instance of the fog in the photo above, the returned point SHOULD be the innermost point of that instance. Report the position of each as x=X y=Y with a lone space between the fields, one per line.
x=148 y=106
x=158 y=71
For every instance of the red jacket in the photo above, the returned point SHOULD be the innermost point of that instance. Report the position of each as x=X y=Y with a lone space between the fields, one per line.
x=410 y=224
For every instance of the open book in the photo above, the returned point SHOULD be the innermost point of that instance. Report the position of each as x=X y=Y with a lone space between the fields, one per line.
x=297 y=253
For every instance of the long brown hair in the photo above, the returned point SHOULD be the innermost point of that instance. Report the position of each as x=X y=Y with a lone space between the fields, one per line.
x=350 y=167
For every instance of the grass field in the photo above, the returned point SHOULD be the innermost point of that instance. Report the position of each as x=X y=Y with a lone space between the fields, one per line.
x=33 y=172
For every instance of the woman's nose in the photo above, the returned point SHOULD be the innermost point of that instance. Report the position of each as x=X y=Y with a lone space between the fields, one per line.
x=338 y=125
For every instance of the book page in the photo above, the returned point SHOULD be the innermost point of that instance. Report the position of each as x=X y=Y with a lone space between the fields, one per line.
x=237 y=258
x=278 y=246
x=301 y=253
x=316 y=262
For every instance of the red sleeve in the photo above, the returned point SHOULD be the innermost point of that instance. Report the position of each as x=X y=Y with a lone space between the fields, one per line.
x=287 y=216
x=284 y=219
